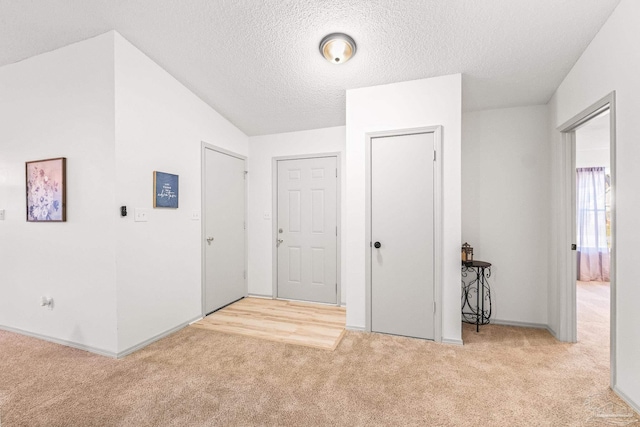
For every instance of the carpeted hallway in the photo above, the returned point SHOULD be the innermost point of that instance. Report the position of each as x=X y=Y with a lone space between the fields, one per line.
x=504 y=376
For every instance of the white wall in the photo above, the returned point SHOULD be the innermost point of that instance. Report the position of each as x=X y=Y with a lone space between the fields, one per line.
x=592 y=143
x=60 y=104
x=505 y=214
x=159 y=126
x=262 y=149
x=612 y=63
x=592 y=158
x=117 y=117
x=417 y=103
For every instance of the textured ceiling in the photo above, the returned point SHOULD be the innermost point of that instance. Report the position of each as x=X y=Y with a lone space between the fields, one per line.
x=257 y=61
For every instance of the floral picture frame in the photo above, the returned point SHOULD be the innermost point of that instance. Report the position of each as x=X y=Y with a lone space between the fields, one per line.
x=46 y=185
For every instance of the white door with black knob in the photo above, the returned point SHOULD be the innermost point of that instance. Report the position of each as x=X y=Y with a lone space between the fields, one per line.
x=402 y=234
x=306 y=242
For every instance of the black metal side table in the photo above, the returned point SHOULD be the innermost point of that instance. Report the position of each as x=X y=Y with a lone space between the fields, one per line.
x=476 y=293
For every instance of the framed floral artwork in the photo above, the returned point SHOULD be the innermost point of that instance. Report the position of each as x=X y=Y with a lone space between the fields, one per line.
x=46 y=190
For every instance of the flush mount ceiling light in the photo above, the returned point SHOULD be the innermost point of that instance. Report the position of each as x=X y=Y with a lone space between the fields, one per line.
x=337 y=48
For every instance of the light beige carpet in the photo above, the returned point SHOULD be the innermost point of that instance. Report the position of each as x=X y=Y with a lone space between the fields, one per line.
x=503 y=376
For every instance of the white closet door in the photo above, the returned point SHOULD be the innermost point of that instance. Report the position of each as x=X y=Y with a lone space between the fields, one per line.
x=224 y=229
x=402 y=223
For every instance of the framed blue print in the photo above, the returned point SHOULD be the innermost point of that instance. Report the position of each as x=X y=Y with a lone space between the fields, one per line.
x=165 y=190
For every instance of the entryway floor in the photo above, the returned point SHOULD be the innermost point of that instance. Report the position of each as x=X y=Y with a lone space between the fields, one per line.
x=291 y=322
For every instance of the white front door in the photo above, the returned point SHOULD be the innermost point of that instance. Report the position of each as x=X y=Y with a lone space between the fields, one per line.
x=307 y=229
x=224 y=229
x=402 y=234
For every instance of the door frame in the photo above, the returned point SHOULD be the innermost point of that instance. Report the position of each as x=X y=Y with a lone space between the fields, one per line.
x=437 y=219
x=274 y=218
x=203 y=216
x=567 y=257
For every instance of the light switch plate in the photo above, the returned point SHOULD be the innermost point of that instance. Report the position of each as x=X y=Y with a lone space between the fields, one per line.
x=1 y=214
x=141 y=215
x=267 y=215
x=195 y=216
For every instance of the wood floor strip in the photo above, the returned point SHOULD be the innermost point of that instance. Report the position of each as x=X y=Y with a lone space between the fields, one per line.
x=292 y=322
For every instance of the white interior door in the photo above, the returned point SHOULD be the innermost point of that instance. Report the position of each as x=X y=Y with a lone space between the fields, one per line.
x=402 y=225
x=224 y=229
x=307 y=229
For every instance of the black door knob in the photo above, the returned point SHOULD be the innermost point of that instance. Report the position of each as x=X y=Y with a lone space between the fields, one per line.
x=377 y=245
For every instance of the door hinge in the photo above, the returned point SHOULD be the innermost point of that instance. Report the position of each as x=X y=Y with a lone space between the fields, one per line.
x=370 y=244
x=574 y=246
x=336 y=172
x=434 y=155
x=434 y=307
x=244 y=274
x=336 y=230
x=244 y=224
x=245 y=174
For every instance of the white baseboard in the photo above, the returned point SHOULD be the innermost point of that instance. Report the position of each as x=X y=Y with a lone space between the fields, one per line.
x=452 y=341
x=264 y=296
x=67 y=343
x=96 y=350
x=521 y=324
x=354 y=328
x=260 y=296
x=156 y=338
x=197 y=319
x=627 y=400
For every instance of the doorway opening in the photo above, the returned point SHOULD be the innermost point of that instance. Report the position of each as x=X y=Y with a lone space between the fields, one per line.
x=589 y=306
x=593 y=230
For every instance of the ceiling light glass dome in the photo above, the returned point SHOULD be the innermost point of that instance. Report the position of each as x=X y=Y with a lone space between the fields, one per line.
x=337 y=48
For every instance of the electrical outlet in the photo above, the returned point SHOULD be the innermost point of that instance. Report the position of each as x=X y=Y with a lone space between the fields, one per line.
x=141 y=215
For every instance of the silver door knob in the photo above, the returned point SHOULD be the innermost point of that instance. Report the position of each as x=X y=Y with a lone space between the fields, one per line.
x=209 y=240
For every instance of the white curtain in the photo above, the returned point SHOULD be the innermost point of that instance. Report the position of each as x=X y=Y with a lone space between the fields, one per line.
x=593 y=249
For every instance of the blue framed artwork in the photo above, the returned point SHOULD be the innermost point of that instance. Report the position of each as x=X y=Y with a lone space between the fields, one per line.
x=165 y=190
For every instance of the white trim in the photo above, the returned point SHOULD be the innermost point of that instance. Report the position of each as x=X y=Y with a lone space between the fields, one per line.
x=355 y=328
x=274 y=219
x=263 y=296
x=155 y=338
x=203 y=217
x=622 y=395
x=67 y=343
x=437 y=218
x=518 y=324
x=451 y=341
x=567 y=261
x=552 y=332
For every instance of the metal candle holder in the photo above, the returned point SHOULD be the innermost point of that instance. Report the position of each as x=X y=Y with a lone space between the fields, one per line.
x=467 y=252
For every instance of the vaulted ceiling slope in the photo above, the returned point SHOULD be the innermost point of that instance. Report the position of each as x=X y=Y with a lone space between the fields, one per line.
x=257 y=61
